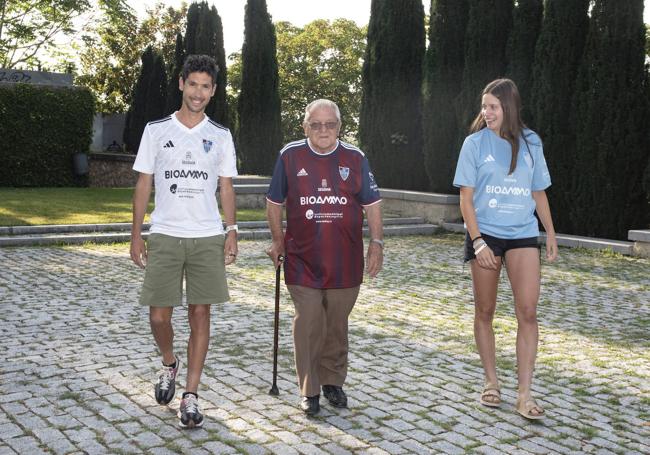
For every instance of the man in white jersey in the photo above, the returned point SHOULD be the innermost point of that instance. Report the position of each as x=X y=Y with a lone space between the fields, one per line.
x=186 y=154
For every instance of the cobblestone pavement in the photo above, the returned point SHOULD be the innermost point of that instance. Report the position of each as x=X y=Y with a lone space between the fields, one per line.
x=78 y=360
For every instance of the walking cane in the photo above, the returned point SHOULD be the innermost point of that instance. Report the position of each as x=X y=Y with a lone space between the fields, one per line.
x=274 y=387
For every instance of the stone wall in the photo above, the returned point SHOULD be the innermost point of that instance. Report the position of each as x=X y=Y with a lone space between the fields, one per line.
x=111 y=170
x=433 y=207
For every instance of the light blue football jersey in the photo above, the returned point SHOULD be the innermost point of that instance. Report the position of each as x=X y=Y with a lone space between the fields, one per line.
x=504 y=203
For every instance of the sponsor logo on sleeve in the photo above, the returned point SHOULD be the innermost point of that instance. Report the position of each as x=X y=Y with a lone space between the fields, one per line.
x=373 y=184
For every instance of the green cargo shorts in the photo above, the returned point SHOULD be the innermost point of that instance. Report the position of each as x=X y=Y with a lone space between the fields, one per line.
x=200 y=260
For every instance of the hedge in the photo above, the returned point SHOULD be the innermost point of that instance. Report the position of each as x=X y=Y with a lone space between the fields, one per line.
x=41 y=128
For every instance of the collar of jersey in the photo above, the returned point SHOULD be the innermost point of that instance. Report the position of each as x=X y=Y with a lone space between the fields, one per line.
x=189 y=130
x=322 y=154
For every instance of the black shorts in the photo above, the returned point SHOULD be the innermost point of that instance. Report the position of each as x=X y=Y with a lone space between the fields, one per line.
x=499 y=246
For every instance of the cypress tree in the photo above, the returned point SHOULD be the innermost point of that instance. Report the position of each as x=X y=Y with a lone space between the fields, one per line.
x=136 y=115
x=174 y=95
x=149 y=98
x=390 y=126
x=646 y=180
x=444 y=64
x=259 y=135
x=193 y=16
x=204 y=35
x=612 y=116
x=156 y=89
x=526 y=25
x=486 y=39
x=557 y=57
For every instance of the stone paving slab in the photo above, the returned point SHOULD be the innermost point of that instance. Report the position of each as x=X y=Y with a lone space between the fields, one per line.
x=79 y=360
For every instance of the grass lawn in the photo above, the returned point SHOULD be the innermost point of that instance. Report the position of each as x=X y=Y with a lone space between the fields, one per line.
x=33 y=206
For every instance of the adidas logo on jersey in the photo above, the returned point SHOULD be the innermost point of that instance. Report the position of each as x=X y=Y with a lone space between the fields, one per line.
x=489 y=159
x=301 y=173
x=169 y=144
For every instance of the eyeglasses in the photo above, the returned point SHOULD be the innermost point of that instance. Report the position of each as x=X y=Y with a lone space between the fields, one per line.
x=318 y=126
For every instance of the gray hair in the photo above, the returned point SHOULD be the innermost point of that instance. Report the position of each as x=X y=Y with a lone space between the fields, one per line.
x=322 y=104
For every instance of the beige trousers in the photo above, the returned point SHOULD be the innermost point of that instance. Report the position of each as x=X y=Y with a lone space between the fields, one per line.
x=320 y=335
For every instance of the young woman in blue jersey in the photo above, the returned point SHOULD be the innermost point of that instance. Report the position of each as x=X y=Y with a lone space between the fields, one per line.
x=502 y=175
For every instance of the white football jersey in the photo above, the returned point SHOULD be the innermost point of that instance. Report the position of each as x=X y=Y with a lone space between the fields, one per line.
x=186 y=164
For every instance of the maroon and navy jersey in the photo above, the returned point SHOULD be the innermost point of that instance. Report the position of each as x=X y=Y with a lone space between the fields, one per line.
x=324 y=196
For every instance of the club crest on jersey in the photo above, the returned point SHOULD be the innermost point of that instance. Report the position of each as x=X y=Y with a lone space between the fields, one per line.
x=207 y=145
x=344 y=172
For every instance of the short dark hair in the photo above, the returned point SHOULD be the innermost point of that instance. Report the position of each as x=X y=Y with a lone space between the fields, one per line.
x=200 y=64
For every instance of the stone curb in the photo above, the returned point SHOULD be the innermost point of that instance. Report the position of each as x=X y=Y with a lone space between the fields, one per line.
x=418 y=196
x=255 y=230
x=119 y=227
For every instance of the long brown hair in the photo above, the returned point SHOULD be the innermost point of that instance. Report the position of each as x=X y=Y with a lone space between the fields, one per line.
x=507 y=93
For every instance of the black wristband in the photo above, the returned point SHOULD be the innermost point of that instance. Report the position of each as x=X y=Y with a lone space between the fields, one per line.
x=476 y=238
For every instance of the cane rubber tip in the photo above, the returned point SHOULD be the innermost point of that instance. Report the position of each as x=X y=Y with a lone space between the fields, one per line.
x=274 y=391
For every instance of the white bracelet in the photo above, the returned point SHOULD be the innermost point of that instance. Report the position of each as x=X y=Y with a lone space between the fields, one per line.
x=481 y=248
x=232 y=227
x=378 y=242
x=478 y=243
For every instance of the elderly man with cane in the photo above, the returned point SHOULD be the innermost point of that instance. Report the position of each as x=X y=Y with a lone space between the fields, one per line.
x=326 y=185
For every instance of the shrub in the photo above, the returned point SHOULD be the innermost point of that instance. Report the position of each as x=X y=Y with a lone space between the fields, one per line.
x=41 y=128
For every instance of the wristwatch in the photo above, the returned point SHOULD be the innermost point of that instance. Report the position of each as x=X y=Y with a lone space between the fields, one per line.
x=232 y=227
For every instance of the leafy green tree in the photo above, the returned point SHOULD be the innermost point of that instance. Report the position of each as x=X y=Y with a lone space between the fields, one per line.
x=558 y=54
x=259 y=134
x=611 y=118
x=390 y=128
x=204 y=35
x=526 y=25
x=148 y=98
x=109 y=63
x=445 y=59
x=111 y=47
x=161 y=28
x=488 y=28
x=234 y=88
x=29 y=27
x=320 y=60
